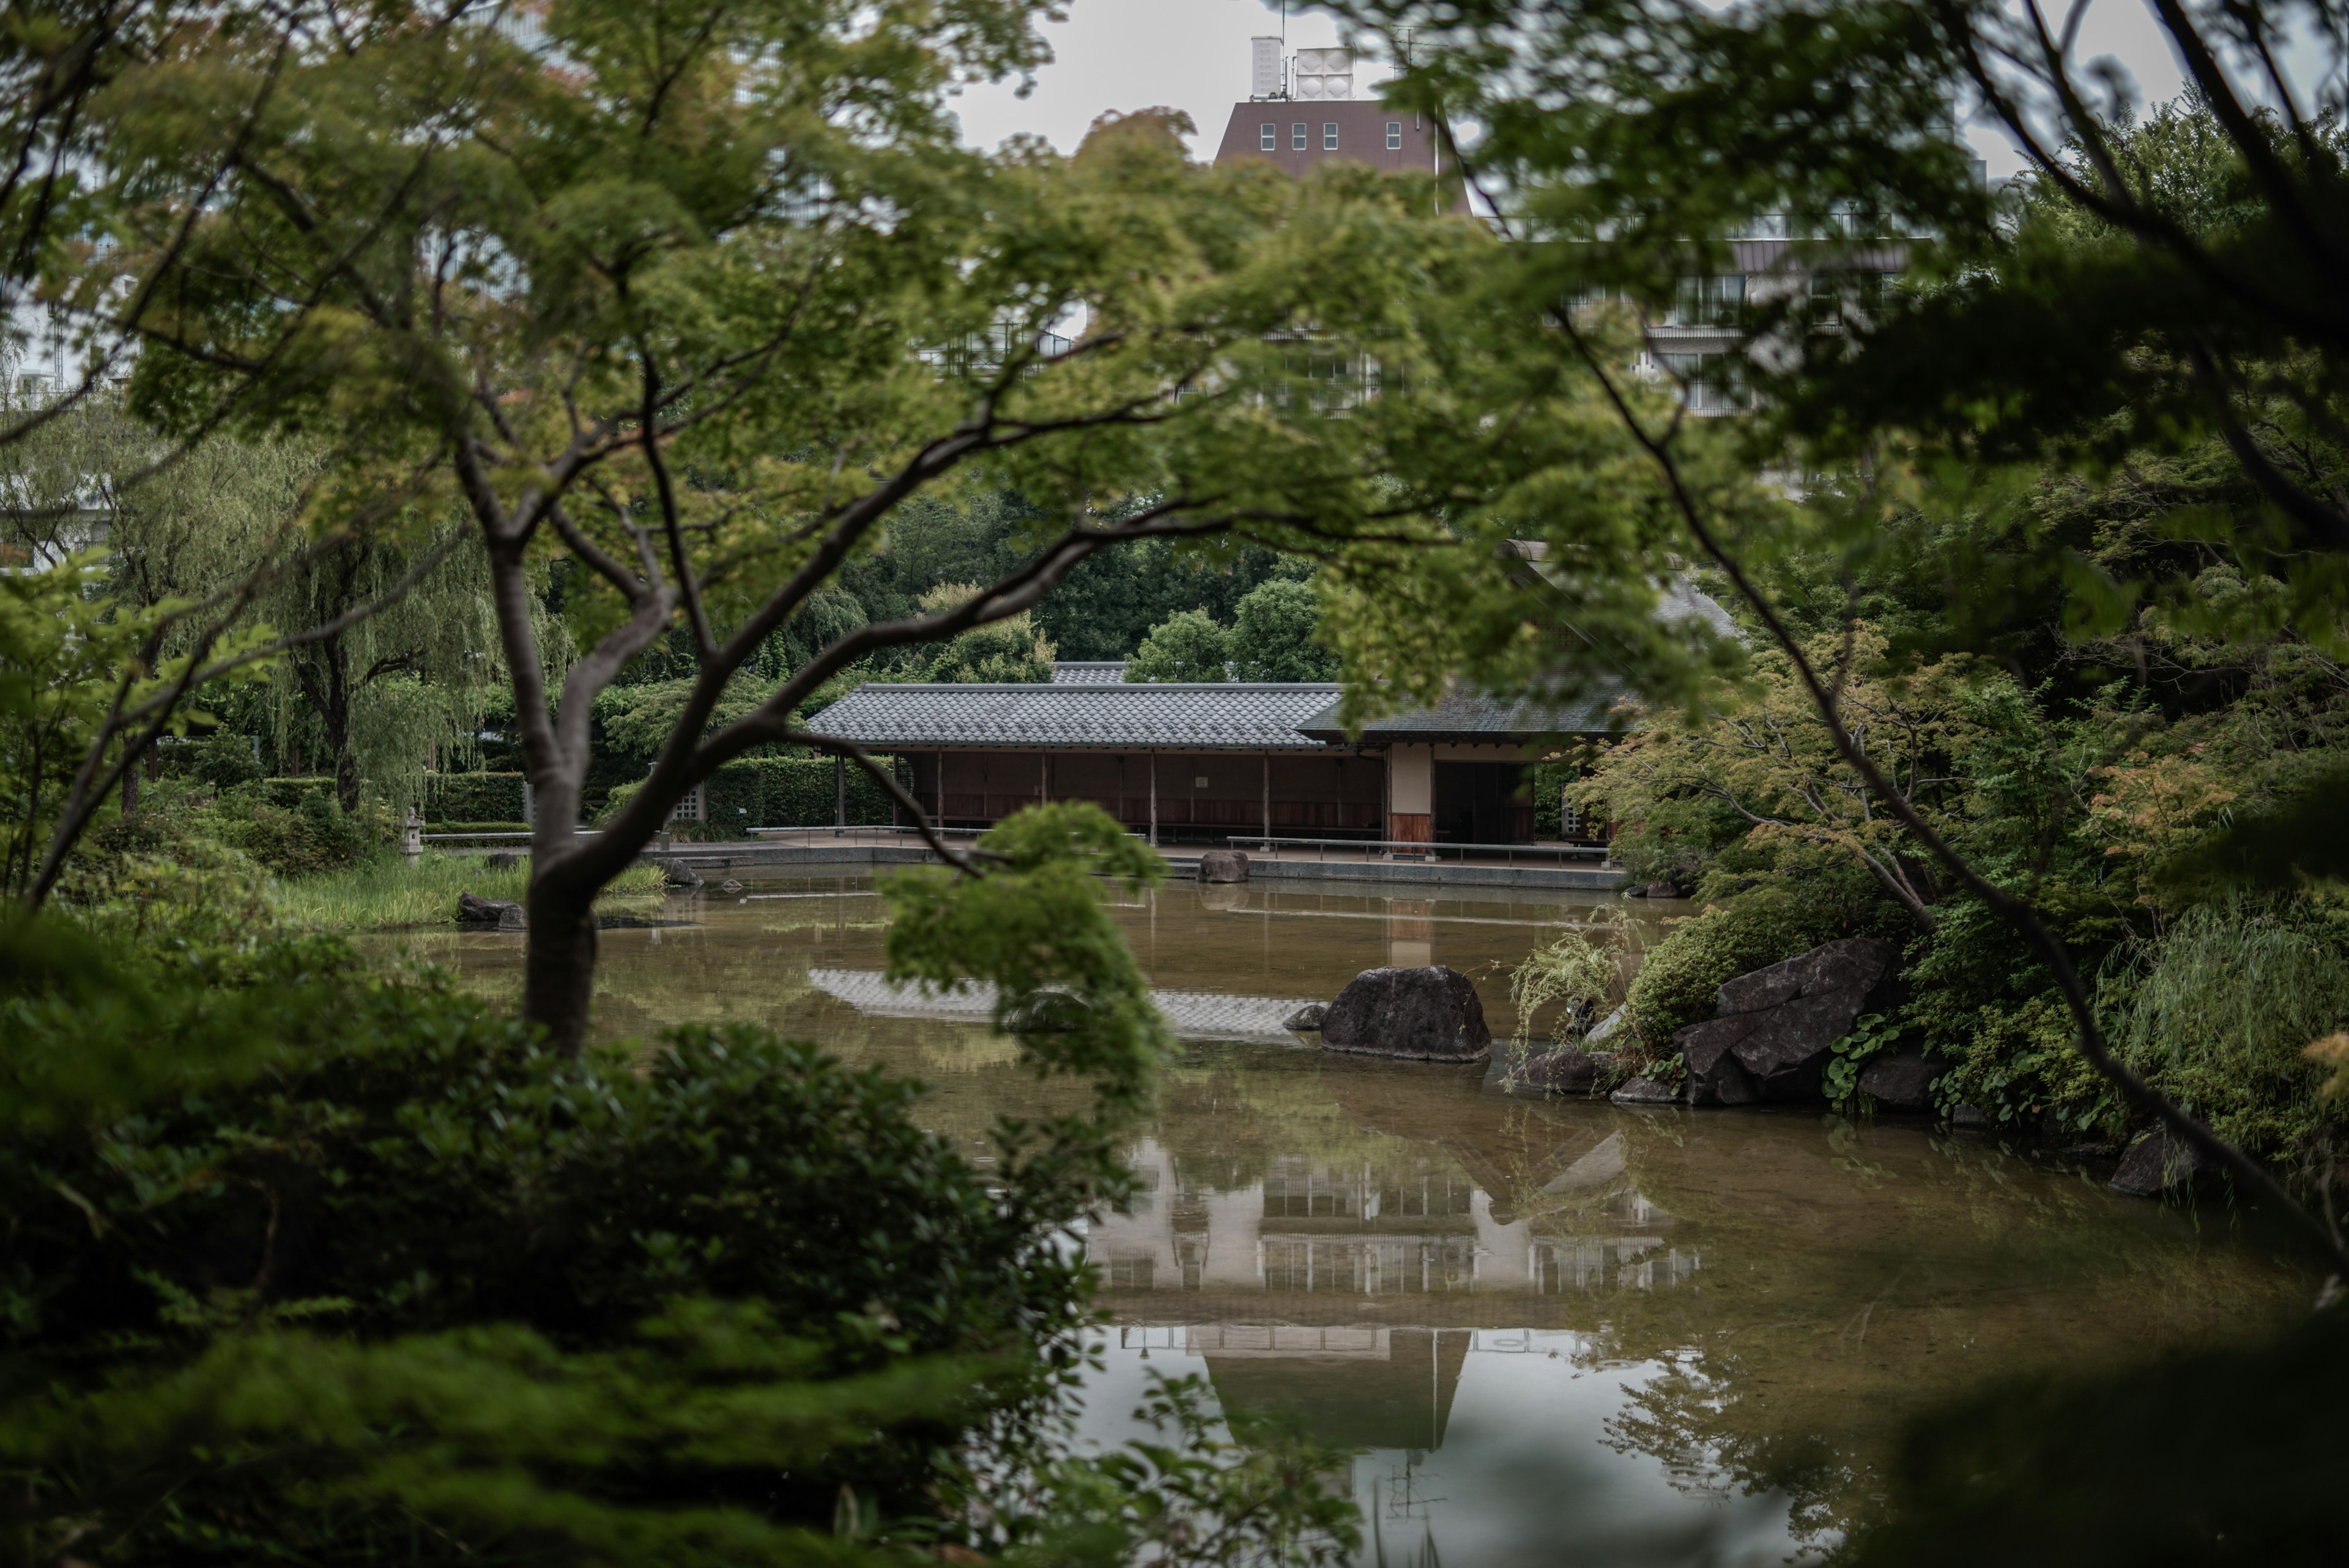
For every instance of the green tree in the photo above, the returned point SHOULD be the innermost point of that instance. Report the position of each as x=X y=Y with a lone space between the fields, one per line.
x=2009 y=343
x=1186 y=645
x=1008 y=652
x=701 y=299
x=1273 y=633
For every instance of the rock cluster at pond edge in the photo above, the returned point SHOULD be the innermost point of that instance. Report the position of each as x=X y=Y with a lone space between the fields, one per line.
x=1777 y=1026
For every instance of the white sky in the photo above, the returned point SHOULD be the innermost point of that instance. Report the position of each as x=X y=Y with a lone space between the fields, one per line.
x=1192 y=55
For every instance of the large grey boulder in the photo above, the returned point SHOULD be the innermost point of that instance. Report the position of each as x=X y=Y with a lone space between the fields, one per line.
x=1223 y=865
x=2161 y=1162
x=1307 y=1018
x=1715 y=1076
x=502 y=860
x=1568 y=1069
x=1645 y=1092
x=1430 y=1015
x=473 y=909
x=678 y=873
x=1778 y=1024
x=1902 y=1080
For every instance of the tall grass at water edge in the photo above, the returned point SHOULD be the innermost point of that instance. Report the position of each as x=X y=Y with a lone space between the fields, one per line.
x=388 y=893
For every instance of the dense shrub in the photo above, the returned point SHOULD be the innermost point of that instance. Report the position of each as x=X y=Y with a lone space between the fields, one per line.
x=315 y=835
x=212 y=1159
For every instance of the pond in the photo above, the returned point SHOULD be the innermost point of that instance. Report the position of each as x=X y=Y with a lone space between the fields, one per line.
x=1554 y=1331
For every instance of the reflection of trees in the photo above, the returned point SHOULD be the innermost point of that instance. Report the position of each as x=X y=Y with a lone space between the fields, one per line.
x=1857 y=1274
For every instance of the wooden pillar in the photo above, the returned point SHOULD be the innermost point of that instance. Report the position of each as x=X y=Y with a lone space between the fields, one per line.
x=1268 y=800
x=839 y=791
x=939 y=820
x=1154 y=806
x=1043 y=777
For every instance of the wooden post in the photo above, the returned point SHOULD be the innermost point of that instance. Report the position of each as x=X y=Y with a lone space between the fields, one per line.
x=1043 y=777
x=839 y=794
x=940 y=820
x=1154 y=809
x=1268 y=801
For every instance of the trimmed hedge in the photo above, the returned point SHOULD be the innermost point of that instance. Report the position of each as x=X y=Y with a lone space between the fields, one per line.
x=473 y=797
x=787 y=791
x=771 y=792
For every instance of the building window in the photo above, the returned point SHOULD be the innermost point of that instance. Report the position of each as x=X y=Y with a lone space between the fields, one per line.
x=1710 y=301
x=1268 y=138
x=1709 y=382
x=1395 y=136
x=1328 y=136
x=1297 y=136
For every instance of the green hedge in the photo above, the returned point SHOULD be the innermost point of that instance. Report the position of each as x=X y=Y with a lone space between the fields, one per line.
x=771 y=791
x=473 y=797
x=287 y=795
x=787 y=791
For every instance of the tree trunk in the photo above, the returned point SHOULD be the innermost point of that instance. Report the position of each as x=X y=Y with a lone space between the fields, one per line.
x=559 y=968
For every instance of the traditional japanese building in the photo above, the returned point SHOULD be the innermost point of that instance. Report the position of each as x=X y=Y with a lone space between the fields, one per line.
x=1210 y=761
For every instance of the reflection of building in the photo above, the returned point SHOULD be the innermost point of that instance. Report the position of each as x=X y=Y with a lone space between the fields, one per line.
x=1333 y=1233
x=1339 y=1291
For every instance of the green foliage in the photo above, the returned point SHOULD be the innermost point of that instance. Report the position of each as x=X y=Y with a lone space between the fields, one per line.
x=312 y=836
x=1272 y=635
x=590 y=1301
x=1032 y=926
x=633 y=721
x=1677 y=979
x=225 y=760
x=1575 y=971
x=473 y=797
x=67 y=657
x=385 y=893
x=1011 y=651
x=2221 y=1007
x=1186 y=645
x=774 y=791
x=1872 y=1034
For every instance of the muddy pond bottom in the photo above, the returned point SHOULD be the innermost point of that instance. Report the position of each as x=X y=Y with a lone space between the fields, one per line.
x=1551 y=1332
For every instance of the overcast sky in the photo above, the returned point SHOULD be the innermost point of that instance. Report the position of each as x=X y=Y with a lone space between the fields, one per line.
x=1192 y=55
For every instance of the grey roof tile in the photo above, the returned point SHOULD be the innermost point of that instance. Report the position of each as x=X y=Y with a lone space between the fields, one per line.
x=1089 y=672
x=1468 y=717
x=1235 y=715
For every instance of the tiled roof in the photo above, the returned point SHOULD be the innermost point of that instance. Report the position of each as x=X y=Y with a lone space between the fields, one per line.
x=1109 y=716
x=1466 y=717
x=1089 y=672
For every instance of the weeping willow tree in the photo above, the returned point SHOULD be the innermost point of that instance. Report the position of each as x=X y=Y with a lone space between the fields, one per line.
x=389 y=642
x=386 y=690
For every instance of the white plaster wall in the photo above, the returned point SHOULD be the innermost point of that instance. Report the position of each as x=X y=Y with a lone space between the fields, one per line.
x=1411 y=780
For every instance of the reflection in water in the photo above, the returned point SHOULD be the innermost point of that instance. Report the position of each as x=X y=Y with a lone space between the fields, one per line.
x=1191 y=1014
x=1555 y=1330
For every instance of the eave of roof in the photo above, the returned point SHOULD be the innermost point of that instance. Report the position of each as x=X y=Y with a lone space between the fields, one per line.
x=1121 y=716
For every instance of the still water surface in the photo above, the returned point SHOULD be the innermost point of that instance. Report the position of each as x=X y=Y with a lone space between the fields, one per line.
x=1555 y=1332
